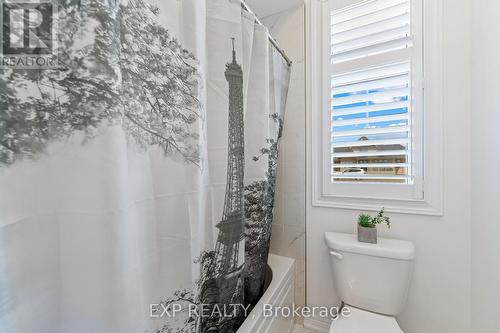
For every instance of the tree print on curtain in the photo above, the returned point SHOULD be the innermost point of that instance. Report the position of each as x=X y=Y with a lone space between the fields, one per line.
x=259 y=208
x=120 y=67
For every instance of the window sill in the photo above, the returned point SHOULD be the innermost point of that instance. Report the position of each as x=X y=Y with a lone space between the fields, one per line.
x=415 y=207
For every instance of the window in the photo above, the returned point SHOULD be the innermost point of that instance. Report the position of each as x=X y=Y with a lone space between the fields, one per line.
x=371 y=93
x=368 y=104
x=371 y=125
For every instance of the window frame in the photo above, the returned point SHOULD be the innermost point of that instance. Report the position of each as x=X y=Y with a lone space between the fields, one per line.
x=424 y=196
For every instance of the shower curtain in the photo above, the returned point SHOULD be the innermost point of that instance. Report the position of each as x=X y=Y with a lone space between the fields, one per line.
x=137 y=180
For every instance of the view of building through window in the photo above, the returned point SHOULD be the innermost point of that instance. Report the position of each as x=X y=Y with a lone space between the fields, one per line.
x=371 y=103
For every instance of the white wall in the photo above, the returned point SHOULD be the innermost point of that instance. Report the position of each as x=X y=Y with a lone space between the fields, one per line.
x=485 y=120
x=439 y=300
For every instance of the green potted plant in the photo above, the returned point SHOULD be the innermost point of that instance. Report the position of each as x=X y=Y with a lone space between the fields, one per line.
x=367 y=226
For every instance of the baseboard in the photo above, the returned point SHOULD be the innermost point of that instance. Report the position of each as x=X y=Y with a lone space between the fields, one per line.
x=317 y=325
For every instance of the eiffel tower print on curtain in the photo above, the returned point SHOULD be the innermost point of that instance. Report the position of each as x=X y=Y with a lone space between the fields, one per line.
x=224 y=288
x=230 y=247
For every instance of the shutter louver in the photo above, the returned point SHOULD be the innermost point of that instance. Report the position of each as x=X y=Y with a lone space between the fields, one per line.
x=371 y=132
x=370 y=28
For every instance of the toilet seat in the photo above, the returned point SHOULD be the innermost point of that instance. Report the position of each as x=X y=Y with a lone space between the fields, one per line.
x=361 y=321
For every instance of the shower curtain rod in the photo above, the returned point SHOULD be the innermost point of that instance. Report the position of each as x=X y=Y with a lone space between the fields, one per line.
x=271 y=38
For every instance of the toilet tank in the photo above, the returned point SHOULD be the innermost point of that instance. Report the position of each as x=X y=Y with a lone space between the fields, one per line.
x=373 y=277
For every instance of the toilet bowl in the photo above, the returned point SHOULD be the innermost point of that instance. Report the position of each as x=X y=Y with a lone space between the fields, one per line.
x=360 y=321
x=372 y=280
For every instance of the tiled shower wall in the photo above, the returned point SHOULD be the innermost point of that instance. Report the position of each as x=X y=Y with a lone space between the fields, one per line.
x=288 y=238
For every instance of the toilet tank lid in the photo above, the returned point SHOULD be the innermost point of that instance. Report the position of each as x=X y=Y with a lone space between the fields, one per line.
x=385 y=248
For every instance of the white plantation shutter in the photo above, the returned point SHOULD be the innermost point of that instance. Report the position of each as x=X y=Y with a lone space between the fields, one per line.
x=369 y=28
x=371 y=97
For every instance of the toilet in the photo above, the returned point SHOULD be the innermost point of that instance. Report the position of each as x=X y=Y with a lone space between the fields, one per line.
x=372 y=280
